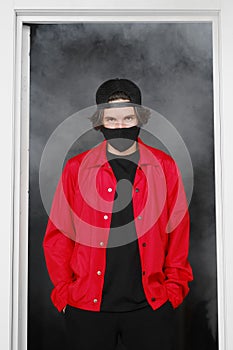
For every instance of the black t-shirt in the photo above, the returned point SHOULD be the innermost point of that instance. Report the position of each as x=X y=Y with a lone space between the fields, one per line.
x=123 y=290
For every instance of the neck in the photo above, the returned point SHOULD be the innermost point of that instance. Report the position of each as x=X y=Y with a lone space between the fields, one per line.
x=128 y=151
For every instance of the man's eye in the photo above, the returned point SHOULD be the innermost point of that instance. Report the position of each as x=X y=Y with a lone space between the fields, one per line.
x=130 y=118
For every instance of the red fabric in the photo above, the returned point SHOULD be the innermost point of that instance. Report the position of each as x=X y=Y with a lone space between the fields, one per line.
x=79 y=224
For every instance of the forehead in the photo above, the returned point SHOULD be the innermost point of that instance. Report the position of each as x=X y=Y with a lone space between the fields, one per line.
x=118 y=112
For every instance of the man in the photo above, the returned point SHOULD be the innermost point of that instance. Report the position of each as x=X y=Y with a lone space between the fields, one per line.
x=116 y=244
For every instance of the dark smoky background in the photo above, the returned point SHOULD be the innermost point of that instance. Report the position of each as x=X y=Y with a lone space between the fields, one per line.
x=172 y=64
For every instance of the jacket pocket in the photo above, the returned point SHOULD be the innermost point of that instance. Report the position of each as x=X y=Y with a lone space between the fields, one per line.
x=78 y=290
x=156 y=283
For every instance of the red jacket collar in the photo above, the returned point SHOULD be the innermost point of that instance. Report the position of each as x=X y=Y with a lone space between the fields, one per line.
x=99 y=159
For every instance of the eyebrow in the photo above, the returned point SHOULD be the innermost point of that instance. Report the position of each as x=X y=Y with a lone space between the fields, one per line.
x=129 y=115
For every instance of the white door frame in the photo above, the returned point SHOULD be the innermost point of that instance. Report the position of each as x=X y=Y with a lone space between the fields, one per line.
x=15 y=177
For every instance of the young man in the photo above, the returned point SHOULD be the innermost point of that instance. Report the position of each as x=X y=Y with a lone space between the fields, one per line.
x=116 y=244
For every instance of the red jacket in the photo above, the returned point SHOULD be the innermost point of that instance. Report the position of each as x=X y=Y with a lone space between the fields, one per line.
x=79 y=224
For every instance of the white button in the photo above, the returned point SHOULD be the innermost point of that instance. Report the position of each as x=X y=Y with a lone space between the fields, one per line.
x=139 y=217
x=95 y=300
x=109 y=189
x=101 y=244
x=105 y=217
x=98 y=273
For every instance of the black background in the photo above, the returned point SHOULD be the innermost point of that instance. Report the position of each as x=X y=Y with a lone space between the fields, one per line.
x=172 y=64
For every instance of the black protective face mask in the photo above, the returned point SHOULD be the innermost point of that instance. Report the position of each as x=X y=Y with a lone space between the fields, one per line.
x=121 y=138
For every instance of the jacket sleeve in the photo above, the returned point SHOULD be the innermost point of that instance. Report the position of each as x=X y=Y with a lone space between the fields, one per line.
x=177 y=269
x=59 y=239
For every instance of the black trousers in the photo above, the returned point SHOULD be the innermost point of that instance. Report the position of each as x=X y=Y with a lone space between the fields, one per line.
x=142 y=329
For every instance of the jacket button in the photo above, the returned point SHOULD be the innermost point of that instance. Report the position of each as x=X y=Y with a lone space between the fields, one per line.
x=98 y=273
x=143 y=272
x=105 y=217
x=153 y=299
x=139 y=217
x=95 y=301
x=109 y=189
x=101 y=244
x=137 y=190
x=144 y=244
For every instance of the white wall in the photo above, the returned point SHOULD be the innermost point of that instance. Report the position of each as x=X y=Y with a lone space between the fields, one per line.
x=118 y=4
x=6 y=86
x=227 y=143
x=6 y=139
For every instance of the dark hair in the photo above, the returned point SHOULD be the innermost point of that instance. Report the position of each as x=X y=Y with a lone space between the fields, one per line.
x=142 y=113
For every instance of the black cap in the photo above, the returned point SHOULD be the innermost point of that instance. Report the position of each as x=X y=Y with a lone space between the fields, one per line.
x=112 y=86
